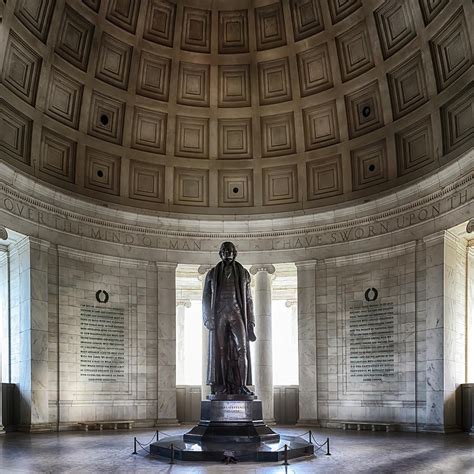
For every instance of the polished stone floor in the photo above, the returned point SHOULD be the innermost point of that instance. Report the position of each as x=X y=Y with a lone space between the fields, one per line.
x=352 y=451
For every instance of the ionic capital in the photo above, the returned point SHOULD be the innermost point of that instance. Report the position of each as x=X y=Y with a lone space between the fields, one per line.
x=184 y=302
x=470 y=226
x=3 y=233
x=264 y=267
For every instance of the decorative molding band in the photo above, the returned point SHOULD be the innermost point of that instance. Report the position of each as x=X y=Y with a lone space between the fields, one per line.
x=307 y=264
x=269 y=268
x=388 y=252
x=434 y=239
x=166 y=266
x=298 y=234
x=91 y=257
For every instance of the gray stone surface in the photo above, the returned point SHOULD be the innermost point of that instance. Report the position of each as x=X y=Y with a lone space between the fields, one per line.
x=351 y=452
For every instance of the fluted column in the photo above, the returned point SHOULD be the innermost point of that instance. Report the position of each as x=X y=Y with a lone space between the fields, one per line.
x=262 y=365
x=205 y=389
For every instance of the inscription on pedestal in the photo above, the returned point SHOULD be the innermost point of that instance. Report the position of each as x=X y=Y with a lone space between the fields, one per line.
x=371 y=344
x=231 y=411
x=102 y=344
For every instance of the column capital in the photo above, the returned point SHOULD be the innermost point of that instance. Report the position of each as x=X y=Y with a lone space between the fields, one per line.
x=3 y=233
x=202 y=271
x=470 y=226
x=290 y=303
x=306 y=263
x=434 y=239
x=186 y=302
x=262 y=267
x=170 y=266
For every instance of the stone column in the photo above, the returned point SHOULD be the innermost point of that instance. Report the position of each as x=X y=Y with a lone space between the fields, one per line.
x=205 y=389
x=3 y=313
x=262 y=365
x=181 y=306
x=166 y=377
x=33 y=287
x=308 y=383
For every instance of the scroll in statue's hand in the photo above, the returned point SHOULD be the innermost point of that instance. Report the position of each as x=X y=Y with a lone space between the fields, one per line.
x=251 y=334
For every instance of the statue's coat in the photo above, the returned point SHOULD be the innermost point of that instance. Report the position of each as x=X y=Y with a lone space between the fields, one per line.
x=210 y=298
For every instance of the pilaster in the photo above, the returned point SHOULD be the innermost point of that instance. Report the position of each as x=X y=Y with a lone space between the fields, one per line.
x=308 y=393
x=445 y=320
x=166 y=312
x=4 y=309
x=33 y=360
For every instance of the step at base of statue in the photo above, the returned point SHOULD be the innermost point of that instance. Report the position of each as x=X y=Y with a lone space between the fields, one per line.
x=231 y=420
x=231 y=426
x=174 y=447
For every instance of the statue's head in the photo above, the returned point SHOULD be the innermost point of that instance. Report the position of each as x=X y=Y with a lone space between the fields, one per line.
x=228 y=252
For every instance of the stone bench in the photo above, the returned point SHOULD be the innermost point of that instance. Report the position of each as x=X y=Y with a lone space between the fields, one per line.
x=372 y=424
x=100 y=424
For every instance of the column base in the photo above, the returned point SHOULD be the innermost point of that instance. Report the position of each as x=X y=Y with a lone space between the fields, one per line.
x=270 y=421
x=302 y=422
x=2 y=430
x=167 y=422
x=35 y=428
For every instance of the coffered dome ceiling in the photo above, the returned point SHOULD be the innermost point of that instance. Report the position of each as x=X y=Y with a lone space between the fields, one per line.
x=234 y=107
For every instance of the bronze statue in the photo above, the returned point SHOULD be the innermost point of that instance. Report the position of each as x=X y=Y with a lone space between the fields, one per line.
x=227 y=311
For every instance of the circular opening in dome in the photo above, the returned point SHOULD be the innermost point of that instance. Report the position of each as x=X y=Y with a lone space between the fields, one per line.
x=104 y=119
x=366 y=111
x=371 y=167
x=100 y=173
x=235 y=190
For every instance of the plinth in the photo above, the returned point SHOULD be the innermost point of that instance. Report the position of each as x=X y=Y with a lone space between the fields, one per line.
x=231 y=426
x=231 y=419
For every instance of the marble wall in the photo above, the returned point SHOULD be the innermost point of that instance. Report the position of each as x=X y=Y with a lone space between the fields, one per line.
x=134 y=287
x=421 y=292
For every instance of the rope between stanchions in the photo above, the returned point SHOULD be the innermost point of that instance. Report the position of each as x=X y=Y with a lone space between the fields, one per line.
x=320 y=446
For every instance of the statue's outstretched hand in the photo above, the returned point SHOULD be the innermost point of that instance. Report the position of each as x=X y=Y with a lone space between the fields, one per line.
x=251 y=333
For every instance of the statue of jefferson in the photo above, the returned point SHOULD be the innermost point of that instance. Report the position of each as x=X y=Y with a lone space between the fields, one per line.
x=227 y=311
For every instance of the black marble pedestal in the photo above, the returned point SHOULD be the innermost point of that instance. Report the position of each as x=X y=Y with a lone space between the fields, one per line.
x=231 y=419
x=231 y=426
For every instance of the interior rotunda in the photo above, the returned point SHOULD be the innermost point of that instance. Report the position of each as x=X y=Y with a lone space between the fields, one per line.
x=330 y=140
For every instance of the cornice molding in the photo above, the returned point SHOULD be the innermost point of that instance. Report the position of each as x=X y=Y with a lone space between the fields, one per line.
x=456 y=175
x=373 y=255
x=285 y=234
x=76 y=254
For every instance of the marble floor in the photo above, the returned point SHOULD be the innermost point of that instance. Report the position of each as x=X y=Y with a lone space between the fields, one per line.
x=352 y=451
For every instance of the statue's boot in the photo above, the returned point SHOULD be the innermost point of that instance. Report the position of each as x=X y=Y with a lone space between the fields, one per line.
x=244 y=390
